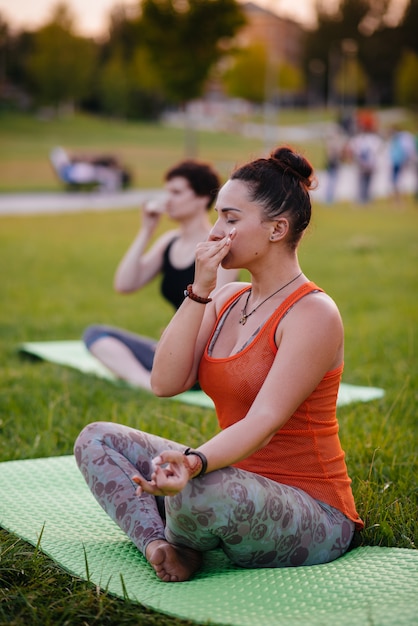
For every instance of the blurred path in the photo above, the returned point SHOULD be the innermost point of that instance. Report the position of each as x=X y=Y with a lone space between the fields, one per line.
x=70 y=202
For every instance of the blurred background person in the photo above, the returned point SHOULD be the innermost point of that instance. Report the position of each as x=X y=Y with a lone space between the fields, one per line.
x=103 y=172
x=364 y=148
x=402 y=152
x=335 y=142
x=191 y=188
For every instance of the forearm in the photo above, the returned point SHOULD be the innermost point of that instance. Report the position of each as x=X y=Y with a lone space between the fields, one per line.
x=128 y=276
x=178 y=352
x=182 y=343
x=233 y=444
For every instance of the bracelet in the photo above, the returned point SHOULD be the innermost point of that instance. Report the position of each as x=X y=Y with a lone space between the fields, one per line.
x=201 y=456
x=188 y=293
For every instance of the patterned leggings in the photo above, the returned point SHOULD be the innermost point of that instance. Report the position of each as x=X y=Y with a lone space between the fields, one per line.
x=256 y=521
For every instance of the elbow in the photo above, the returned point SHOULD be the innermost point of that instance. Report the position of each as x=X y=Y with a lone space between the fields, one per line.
x=122 y=288
x=159 y=386
x=165 y=388
x=157 y=389
x=161 y=391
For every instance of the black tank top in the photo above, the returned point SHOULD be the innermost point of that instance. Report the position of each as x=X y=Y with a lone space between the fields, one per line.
x=174 y=280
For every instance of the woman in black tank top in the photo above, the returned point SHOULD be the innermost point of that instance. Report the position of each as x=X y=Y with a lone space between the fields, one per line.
x=190 y=188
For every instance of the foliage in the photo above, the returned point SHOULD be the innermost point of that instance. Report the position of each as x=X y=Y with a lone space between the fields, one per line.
x=350 y=81
x=61 y=64
x=290 y=78
x=164 y=52
x=127 y=86
x=113 y=87
x=377 y=44
x=186 y=38
x=407 y=80
x=409 y=26
x=267 y=79
x=250 y=61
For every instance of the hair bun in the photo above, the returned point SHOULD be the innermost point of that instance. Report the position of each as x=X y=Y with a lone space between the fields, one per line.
x=294 y=164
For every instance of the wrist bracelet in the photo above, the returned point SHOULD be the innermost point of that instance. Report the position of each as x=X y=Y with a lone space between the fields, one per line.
x=188 y=293
x=201 y=456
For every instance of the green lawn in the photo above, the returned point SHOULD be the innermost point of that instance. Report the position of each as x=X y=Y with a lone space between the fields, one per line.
x=57 y=278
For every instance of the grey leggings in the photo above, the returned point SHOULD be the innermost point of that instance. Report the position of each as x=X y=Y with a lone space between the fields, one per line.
x=142 y=348
x=256 y=521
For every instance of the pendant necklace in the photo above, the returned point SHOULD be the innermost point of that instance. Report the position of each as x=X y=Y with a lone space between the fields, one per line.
x=245 y=315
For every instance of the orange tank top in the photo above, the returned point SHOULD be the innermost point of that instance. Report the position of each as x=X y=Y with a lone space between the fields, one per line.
x=306 y=452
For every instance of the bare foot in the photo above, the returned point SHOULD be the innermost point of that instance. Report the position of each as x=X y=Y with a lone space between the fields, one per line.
x=172 y=564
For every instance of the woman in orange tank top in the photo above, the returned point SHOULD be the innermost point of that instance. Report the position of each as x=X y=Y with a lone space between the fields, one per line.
x=271 y=489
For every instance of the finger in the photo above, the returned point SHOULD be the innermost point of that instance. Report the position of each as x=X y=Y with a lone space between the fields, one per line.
x=148 y=487
x=229 y=236
x=224 y=243
x=168 y=456
x=143 y=485
x=232 y=235
x=212 y=252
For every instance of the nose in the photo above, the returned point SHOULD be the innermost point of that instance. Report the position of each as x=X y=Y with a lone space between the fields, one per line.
x=217 y=232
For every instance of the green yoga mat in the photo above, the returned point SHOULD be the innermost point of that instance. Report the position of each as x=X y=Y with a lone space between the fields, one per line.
x=48 y=497
x=74 y=354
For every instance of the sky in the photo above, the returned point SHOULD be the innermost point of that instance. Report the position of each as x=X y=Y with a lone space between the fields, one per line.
x=91 y=15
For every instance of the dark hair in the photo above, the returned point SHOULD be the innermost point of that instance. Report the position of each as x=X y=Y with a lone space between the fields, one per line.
x=281 y=185
x=201 y=177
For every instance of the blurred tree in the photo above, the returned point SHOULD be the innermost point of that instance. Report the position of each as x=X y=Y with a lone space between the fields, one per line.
x=252 y=61
x=62 y=64
x=4 y=41
x=406 y=82
x=15 y=49
x=147 y=97
x=291 y=80
x=350 y=81
x=186 y=38
x=335 y=23
x=125 y=83
x=409 y=26
x=113 y=87
x=124 y=34
x=380 y=54
x=378 y=45
x=406 y=77
x=130 y=88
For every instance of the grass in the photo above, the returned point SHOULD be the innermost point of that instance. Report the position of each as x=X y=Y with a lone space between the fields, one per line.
x=57 y=278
